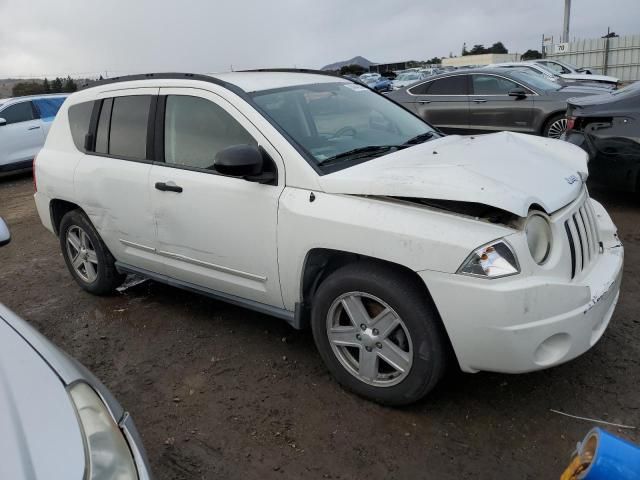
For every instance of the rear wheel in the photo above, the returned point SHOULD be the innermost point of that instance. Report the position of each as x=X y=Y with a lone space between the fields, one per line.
x=87 y=257
x=555 y=126
x=378 y=333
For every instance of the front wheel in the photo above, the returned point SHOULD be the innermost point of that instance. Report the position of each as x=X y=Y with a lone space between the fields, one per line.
x=87 y=257
x=555 y=126
x=378 y=333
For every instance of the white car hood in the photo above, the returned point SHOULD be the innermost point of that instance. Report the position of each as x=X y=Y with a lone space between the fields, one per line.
x=39 y=432
x=586 y=76
x=510 y=171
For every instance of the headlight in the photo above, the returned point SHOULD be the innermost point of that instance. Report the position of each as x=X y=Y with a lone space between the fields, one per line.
x=107 y=451
x=491 y=261
x=538 y=232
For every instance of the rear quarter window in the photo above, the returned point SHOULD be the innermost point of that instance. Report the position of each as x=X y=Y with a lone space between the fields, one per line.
x=79 y=121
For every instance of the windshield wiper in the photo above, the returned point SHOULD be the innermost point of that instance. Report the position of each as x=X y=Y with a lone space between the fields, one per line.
x=361 y=152
x=423 y=137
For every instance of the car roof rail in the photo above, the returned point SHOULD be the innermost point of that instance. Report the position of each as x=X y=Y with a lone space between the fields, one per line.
x=160 y=76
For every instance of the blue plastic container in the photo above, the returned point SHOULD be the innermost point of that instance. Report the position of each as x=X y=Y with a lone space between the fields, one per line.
x=613 y=457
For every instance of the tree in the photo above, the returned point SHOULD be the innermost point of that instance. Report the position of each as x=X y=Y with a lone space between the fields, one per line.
x=530 y=55
x=26 y=88
x=478 y=50
x=497 y=47
x=56 y=85
x=434 y=61
x=69 y=85
x=46 y=88
x=465 y=52
x=353 y=69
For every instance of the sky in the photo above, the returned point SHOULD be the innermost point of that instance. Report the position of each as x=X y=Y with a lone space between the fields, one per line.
x=89 y=37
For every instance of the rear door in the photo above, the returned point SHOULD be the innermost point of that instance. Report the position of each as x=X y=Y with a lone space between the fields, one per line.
x=491 y=109
x=112 y=179
x=443 y=102
x=21 y=137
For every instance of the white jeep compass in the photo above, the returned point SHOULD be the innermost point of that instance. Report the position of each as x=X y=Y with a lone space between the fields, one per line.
x=319 y=201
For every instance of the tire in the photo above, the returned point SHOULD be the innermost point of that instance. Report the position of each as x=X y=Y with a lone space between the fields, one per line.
x=419 y=338
x=95 y=269
x=555 y=126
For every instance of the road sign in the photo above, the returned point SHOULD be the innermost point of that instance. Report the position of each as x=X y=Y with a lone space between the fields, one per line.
x=561 y=48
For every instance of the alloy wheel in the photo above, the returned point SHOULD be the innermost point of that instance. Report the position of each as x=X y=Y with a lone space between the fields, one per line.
x=369 y=339
x=557 y=128
x=82 y=254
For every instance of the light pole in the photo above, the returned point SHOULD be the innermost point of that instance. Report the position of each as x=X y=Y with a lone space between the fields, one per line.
x=567 y=15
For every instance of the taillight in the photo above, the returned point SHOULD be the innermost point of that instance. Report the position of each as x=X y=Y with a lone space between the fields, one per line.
x=571 y=123
x=35 y=182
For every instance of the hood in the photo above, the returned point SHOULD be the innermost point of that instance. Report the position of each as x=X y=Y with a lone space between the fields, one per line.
x=505 y=170
x=579 y=88
x=40 y=433
x=589 y=77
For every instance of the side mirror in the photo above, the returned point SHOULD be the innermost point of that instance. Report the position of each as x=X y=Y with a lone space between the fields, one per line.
x=3 y=122
x=517 y=92
x=245 y=161
x=5 y=235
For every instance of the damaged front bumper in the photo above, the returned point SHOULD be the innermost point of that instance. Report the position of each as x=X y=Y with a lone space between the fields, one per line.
x=529 y=322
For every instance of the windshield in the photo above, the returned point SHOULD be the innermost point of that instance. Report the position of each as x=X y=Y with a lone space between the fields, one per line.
x=403 y=77
x=339 y=123
x=537 y=82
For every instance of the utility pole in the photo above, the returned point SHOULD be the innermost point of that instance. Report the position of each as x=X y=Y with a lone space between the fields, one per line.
x=567 y=15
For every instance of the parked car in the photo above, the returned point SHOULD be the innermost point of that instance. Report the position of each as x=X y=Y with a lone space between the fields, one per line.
x=407 y=78
x=24 y=124
x=371 y=75
x=608 y=127
x=490 y=100
x=58 y=421
x=571 y=72
x=314 y=199
x=583 y=80
x=380 y=84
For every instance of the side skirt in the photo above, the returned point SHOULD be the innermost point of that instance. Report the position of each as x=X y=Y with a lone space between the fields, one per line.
x=289 y=317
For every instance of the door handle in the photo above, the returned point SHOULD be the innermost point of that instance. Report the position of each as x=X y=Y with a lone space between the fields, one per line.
x=479 y=100
x=168 y=187
x=422 y=102
x=35 y=127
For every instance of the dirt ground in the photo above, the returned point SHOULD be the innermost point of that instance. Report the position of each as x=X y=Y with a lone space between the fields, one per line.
x=218 y=391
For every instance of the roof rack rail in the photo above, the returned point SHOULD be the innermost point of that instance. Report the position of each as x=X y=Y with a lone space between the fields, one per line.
x=163 y=76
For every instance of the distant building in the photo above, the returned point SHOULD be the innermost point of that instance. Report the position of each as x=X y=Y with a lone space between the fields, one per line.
x=483 y=59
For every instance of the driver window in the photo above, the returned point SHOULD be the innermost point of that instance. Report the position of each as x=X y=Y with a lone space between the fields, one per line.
x=491 y=85
x=195 y=129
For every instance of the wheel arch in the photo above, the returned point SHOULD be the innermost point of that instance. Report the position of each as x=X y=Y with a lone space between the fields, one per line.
x=58 y=208
x=319 y=263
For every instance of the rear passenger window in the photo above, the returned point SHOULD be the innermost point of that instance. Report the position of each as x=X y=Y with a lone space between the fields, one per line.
x=196 y=129
x=20 y=112
x=456 y=85
x=79 y=121
x=128 y=132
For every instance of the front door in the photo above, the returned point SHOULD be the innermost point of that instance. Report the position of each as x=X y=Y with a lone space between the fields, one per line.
x=21 y=137
x=214 y=231
x=491 y=109
x=443 y=102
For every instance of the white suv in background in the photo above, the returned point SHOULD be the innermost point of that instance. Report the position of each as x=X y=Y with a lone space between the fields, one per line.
x=314 y=199
x=24 y=124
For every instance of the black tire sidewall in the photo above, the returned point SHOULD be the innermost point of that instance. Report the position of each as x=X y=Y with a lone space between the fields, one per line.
x=107 y=277
x=414 y=307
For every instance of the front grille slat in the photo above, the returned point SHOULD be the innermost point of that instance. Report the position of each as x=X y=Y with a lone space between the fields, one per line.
x=582 y=235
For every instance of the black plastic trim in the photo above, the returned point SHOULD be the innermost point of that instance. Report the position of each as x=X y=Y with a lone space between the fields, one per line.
x=572 y=249
x=225 y=297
